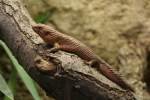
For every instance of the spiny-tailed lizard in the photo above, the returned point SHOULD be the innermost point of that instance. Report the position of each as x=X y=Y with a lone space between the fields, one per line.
x=67 y=43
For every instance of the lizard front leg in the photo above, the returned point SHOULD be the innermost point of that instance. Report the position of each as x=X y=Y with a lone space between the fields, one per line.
x=55 y=48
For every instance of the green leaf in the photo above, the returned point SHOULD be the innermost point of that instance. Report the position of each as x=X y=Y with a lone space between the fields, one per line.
x=23 y=75
x=12 y=82
x=44 y=16
x=5 y=89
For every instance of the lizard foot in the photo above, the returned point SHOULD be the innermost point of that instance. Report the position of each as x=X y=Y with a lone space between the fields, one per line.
x=92 y=63
x=55 y=48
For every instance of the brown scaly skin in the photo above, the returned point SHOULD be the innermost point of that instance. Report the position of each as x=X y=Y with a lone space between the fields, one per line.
x=67 y=43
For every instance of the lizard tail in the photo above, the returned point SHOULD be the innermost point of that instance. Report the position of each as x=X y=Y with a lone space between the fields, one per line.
x=111 y=75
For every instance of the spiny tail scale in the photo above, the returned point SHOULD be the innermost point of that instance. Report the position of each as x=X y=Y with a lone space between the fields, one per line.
x=110 y=74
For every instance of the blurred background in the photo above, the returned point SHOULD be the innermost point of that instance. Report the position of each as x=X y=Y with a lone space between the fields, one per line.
x=117 y=30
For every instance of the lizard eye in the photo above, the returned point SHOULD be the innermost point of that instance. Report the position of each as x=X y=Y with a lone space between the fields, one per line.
x=39 y=28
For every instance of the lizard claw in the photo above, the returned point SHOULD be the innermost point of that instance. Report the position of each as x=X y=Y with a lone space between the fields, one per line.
x=55 y=48
x=92 y=63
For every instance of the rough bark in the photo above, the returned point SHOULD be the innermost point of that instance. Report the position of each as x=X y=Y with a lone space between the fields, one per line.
x=65 y=72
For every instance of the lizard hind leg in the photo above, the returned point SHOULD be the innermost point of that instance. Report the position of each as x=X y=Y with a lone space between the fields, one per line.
x=93 y=63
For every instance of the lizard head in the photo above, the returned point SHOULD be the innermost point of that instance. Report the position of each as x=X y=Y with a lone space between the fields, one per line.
x=41 y=29
x=46 y=32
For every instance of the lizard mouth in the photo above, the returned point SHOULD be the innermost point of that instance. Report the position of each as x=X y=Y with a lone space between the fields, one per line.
x=36 y=28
